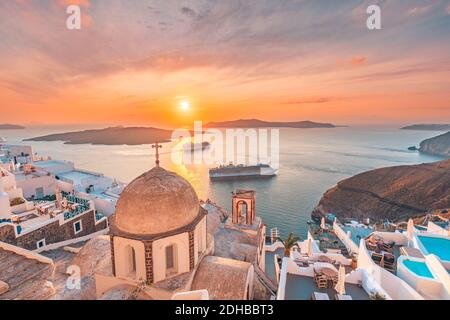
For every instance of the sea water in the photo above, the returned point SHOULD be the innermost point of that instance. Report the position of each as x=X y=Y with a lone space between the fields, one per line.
x=311 y=161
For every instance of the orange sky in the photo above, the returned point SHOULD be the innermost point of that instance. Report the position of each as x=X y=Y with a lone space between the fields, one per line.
x=292 y=60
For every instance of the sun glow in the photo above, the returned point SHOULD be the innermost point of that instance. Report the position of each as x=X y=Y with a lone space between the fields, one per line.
x=185 y=105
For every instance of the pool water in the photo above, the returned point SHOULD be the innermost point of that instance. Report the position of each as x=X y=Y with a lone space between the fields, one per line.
x=419 y=268
x=358 y=233
x=437 y=246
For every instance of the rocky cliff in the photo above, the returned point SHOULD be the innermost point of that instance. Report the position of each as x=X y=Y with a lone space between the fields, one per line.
x=439 y=146
x=394 y=193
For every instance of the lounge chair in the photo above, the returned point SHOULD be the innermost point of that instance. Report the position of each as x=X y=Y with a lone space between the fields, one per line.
x=389 y=262
x=342 y=297
x=319 y=296
x=370 y=246
x=386 y=247
x=377 y=258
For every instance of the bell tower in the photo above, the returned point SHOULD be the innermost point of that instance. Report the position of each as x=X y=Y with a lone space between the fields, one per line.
x=243 y=204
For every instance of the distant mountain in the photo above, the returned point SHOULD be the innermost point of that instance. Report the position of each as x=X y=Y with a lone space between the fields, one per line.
x=111 y=136
x=7 y=126
x=255 y=123
x=428 y=127
x=439 y=146
x=394 y=193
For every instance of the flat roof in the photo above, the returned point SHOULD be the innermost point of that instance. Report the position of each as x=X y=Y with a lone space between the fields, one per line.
x=76 y=175
x=49 y=163
x=302 y=287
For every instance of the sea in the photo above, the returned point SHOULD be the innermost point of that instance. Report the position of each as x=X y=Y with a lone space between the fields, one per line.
x=311 y=161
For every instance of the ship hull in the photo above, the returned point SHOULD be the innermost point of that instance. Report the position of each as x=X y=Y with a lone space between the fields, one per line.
x=262 y=173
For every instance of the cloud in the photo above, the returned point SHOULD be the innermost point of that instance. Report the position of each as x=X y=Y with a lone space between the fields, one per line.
x=309 y=101
x=358 y=61
x=188 y=12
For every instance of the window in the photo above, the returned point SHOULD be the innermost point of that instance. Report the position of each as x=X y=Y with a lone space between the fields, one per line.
x=171 y=263
x=77 y=227
x=131 y=262
x=40 y=243
x=39 y=193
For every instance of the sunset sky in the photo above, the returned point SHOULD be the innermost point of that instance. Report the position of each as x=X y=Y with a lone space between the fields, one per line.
x=137 y=62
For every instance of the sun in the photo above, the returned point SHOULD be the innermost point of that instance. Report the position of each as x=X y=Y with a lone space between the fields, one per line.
x=185 y=105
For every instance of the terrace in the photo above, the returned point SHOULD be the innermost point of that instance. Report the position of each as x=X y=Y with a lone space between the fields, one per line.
x=321 y=281
x=329 y=242
x=299 y=287
x=46 y=211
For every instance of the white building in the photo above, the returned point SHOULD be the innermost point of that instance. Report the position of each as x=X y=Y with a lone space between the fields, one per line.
x=162 y=244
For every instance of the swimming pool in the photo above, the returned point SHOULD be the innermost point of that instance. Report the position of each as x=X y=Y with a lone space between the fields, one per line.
x=418 y=267
x=358 y=233
x=437 y=246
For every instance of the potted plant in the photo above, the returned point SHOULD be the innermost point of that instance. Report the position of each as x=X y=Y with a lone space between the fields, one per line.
x=377 y=296
x=354 y=261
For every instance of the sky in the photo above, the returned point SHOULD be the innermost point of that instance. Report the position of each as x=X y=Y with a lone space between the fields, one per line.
x=167 y=63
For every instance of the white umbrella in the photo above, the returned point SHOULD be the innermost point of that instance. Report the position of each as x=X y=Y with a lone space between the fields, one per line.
x=410 y=229
x=340 y=286
x=322 y=223
x=309 y=247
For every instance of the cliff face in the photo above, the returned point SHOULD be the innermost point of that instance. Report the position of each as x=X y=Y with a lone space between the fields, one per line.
x=439 y=145
x=428 y=127
x=395 y=193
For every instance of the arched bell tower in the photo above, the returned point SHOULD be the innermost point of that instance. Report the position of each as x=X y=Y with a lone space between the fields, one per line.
x=243 y=204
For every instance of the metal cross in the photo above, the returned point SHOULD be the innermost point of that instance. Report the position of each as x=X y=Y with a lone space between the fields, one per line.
x=157 y=146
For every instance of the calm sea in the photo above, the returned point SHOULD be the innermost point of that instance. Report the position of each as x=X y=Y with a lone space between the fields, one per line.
x=311 y=161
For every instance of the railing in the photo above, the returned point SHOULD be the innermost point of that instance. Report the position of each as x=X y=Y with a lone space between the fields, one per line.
x=98 y=216
x=274 y=234
x=84 y=205
x=73 y=213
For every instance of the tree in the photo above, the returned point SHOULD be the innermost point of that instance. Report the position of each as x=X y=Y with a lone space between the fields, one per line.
x=289 y=243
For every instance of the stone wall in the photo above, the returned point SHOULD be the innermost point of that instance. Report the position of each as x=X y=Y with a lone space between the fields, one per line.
x=191 y=251
x=149 y=261
x=54 y=233
x=7 y=234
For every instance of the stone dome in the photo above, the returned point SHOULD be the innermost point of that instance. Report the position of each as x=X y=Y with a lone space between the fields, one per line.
x=156 y=202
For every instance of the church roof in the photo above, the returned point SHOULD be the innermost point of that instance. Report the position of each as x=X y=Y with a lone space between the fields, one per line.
x=225 y=279
x=156 y=202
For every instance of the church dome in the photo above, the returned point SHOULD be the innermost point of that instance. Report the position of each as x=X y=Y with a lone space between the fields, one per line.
x=156 y=202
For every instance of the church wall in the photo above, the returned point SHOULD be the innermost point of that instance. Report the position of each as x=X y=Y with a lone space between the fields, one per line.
x=122 y=260
x=200 y=231
x=159 y=255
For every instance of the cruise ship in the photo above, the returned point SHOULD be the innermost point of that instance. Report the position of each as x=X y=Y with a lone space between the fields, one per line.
x=242 y=171
x=191 y=147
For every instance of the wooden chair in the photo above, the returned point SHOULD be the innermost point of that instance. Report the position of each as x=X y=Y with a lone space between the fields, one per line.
x=377 y=258
x=321 y=282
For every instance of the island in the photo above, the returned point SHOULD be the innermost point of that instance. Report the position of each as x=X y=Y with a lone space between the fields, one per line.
x=437 y=146
x=255 y=123
x=111 y=136
x=394 y=193
x=8 y=126
x=428 y=127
